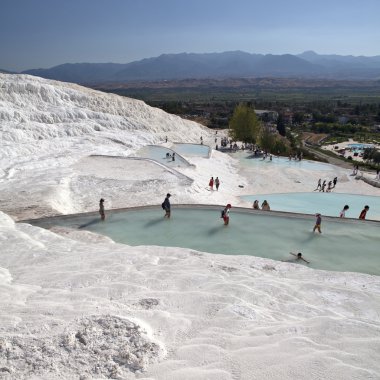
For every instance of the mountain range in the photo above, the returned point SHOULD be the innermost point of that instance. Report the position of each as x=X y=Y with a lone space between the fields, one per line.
x=233 y=64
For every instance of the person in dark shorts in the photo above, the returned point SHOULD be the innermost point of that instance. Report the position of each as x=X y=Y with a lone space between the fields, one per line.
x=101 y=209
x=166 y=206
x=217 y=183
x=318 y=223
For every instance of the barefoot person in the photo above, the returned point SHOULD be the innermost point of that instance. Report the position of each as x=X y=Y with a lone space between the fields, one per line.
x=265 y=206
x=211 y=183
x=217 y=183
x=343 y=212
x=318 y=223
x=226 y=214
x=319 y=185
x=166 y=206
x=101 y=209
x=363 y=214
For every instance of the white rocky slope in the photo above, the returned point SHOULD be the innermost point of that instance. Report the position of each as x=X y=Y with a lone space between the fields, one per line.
x=75 y=306
x=47 y=127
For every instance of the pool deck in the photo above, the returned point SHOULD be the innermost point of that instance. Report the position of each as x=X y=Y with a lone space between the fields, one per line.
x=169 y=169
x=200 y=145
x=164 y=148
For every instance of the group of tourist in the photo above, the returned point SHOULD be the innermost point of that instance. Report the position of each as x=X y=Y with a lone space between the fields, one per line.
x=225 y=215
x=296 y=157
x=264 y=206
x=342 y=214
x=362 y=215
x=213 y=182
x=170 y=156
x=321 y=186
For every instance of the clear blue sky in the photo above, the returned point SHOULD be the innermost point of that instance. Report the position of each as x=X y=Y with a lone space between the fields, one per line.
x=45 y=33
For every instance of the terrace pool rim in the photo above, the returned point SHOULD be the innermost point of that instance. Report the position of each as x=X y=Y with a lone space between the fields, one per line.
x=293 y=215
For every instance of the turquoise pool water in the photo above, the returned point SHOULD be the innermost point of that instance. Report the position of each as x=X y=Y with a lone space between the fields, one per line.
x=247 y=159
x=344 y=245
x=325 y=203
x=158 y=153
x=360 y=146
x=197 y=150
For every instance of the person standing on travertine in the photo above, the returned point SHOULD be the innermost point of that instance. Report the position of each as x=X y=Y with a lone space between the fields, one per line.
x=101 y=209
x=217 y=183
x=211 y=183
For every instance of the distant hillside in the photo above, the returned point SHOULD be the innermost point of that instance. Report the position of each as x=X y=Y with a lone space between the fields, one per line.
x=5 y=71
x=233 y=64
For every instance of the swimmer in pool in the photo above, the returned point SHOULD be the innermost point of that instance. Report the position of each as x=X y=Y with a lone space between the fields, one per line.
x=298 y=256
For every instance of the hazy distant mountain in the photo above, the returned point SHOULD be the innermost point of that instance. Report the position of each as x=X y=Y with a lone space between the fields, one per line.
x=346 y=66
x=218 y=65
x=79 y=72
x=5 y=71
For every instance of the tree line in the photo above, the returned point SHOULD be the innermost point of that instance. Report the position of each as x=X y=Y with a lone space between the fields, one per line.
x=245 y=126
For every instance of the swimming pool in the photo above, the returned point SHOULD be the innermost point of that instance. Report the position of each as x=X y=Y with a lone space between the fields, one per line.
x=158 y=153
x=360 y=146
x=344 y=245
x=248 y=160
x=325 y=203
x=198 y=150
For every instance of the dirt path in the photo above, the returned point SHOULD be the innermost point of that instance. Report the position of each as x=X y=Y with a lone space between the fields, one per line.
x=328 y=158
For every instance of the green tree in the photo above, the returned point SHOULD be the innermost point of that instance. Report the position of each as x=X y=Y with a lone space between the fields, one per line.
x=369 y=153
x=280 y=147
x=281 y=125
x=267 y=140
x=244 y=125
x=376 y=157
x=298 y=117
